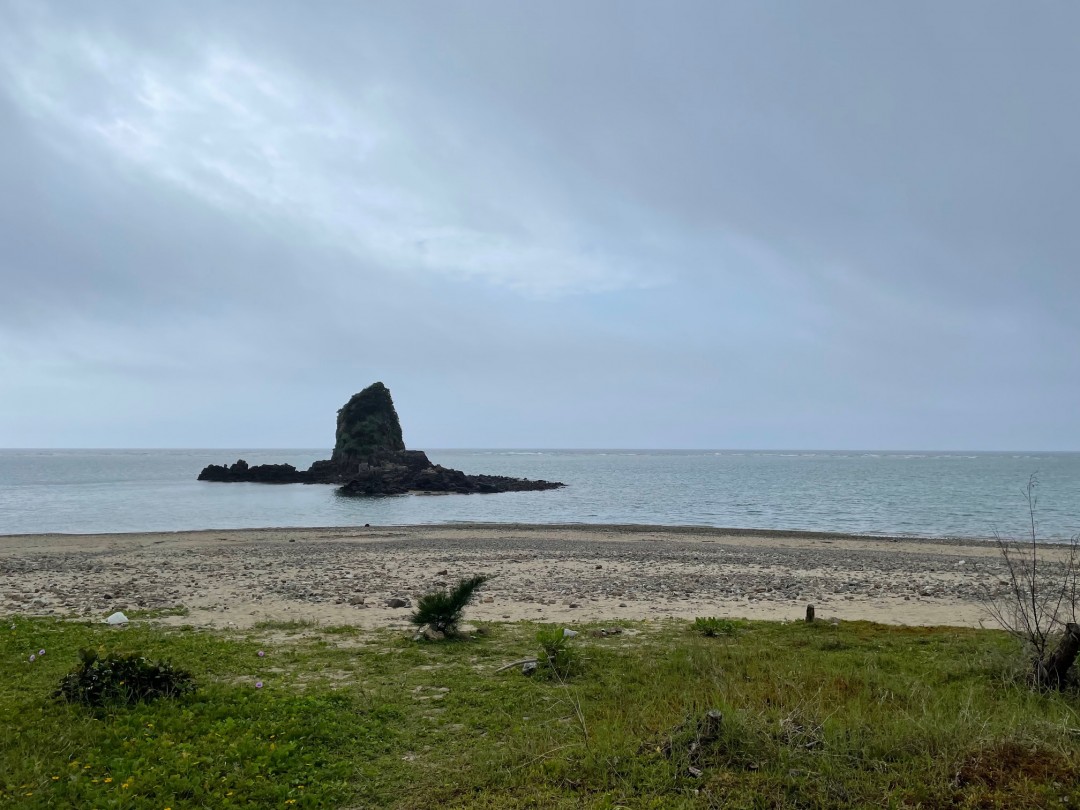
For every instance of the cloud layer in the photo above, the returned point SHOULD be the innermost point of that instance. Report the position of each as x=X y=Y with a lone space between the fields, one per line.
x=706 y=226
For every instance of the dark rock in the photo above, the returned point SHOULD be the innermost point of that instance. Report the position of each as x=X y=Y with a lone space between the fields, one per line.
x=324 y=472
x=367 y=426
x=528 y=668
x=397 y=602
x=259 y=474
x=370 y=459
x=604 y=632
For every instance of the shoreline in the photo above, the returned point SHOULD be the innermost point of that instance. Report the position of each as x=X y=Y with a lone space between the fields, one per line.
x=550 y=573
x=628 y=528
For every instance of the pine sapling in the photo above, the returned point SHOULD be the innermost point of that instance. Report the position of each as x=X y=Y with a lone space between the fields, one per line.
x=441 y=610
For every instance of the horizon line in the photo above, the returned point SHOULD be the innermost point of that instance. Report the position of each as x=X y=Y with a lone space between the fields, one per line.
x=579 y=449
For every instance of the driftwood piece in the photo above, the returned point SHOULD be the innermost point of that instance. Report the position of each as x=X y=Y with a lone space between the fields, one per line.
x=513 y=664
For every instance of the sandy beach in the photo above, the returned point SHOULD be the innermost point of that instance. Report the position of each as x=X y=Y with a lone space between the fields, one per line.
x=543 y=573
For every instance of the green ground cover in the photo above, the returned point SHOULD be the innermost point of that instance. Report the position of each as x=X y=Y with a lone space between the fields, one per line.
x=857 y=715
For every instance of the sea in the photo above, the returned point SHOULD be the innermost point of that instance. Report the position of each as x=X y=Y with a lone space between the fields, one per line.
x=970 y=495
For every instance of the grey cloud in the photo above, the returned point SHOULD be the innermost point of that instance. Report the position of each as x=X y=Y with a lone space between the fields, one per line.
x=841 y=225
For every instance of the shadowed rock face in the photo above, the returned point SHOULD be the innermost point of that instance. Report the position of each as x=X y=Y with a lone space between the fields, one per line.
x=370 y=458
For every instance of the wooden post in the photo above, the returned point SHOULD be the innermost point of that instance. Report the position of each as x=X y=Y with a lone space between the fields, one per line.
x=809 y=614
x=710 y=727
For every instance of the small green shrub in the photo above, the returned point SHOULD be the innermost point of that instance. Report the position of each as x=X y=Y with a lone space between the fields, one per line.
x=557 y=657
x=441 y=610
x=712 y=626
x=124 y=679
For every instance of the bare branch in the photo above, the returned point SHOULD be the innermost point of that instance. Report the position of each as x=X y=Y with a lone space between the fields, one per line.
x=1039 y=602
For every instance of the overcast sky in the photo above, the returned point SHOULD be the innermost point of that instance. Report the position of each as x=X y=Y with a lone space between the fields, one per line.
x=612 y=224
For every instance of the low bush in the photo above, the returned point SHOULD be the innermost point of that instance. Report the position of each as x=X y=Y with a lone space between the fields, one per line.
x=441 y=610
x=1040 y=603
x=712 y=626
x=123 y=679
x=557 y=657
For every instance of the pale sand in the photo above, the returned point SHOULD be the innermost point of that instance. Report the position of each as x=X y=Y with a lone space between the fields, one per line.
x=541 y=573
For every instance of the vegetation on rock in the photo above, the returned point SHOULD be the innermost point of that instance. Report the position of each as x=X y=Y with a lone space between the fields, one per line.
x=366 y=426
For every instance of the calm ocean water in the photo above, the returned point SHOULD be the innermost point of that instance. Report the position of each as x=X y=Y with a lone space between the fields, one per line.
x=926 y=494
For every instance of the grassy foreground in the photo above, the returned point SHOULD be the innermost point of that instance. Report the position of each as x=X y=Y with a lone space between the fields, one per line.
x=813 y=716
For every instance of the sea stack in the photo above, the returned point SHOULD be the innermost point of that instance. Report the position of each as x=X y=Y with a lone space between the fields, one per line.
x=367 y=426
x=370 y=458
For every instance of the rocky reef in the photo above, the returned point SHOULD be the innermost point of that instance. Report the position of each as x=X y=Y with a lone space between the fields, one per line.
x=370 y=458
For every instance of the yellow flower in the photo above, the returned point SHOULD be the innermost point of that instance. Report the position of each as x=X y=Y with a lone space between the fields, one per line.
x=56 y=778
x=108 y=779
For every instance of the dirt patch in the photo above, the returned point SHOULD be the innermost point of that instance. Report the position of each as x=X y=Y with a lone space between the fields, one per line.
x=1004 y=765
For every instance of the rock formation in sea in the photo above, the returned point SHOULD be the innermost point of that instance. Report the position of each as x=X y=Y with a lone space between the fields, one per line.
x=370 y=458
